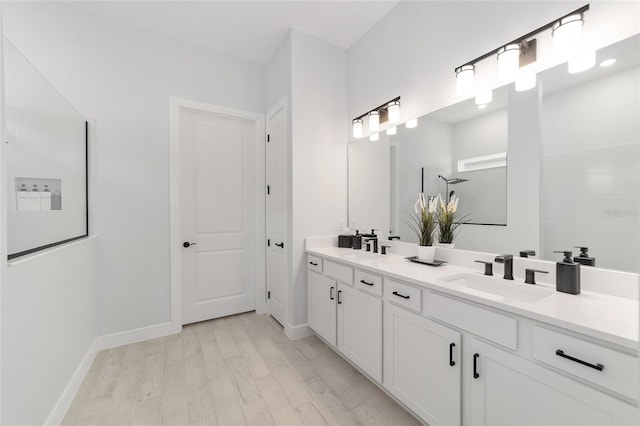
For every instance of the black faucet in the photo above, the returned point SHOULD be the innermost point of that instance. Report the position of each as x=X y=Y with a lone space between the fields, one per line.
x=375 y=243
x=372 y=237
x=507 y=259
x=527 y=253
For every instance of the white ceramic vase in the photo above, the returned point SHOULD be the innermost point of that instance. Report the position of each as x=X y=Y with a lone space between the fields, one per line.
x=426 y=253
x=446 y=245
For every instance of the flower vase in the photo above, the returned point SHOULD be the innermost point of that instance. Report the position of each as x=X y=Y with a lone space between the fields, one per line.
x=446 y=245
x=426 y=253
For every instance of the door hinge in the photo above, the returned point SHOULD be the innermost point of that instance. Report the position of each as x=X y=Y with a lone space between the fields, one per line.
x=268 y=138
x=268 y=295
x=268 y=243
x=268 y=189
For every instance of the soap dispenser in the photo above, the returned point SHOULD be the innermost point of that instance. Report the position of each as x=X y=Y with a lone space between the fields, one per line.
x=567 y=274
x=584 y=258
x=356 y=241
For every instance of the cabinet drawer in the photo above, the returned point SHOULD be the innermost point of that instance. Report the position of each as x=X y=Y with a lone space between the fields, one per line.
x=490 y=325
x=603 y=366
x=339 y=272
x=314 y=263
x=403 y=295
x=368 y=282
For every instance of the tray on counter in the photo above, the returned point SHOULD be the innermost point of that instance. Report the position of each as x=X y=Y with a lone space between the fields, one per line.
x=435 y=262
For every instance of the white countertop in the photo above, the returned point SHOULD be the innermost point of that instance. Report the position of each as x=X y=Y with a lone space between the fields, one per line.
x=609 y=318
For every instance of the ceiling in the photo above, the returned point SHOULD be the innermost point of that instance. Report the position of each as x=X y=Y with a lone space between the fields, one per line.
x=251 y=30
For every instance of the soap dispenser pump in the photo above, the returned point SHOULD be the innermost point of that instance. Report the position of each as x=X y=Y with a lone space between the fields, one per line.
x=584 y=258
x=567 y=274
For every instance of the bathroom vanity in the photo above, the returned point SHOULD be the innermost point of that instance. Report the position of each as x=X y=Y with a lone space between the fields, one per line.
x=457 y=347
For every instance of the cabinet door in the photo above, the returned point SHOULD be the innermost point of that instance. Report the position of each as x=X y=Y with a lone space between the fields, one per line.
x=422 y=365
x=360 y=330
x=322 y=292
x=508 y=390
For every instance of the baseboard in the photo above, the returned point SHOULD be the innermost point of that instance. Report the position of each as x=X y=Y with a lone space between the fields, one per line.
x=297 y=332
x=64 y=402
x=107 y=341
x=136 y=335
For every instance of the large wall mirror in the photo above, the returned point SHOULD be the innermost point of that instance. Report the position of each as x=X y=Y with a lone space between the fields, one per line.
x=46 y=161
x=583 y=178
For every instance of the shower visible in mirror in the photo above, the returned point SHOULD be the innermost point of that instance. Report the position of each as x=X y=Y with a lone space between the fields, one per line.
x=451 y=181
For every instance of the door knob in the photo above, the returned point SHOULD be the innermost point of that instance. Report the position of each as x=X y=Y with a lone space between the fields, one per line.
x=187 y=244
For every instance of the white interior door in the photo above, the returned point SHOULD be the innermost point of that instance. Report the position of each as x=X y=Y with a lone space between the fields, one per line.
x=276 y=212
x=217 y=199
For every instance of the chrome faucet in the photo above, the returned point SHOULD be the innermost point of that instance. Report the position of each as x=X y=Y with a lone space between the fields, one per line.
x=507 y=259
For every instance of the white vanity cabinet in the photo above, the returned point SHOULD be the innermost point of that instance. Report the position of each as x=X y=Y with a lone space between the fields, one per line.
x=422 y=365
x=347 y=318
x=509 y=390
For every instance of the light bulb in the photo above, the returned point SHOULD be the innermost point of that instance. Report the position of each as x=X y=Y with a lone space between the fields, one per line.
x=394 y=111
x=392 y=130
x=464 y=80
x=374 y=137
x=410 y=124
x=483 y=98
x=567 y=37
x=374 y=121
x=357 y=128
x=508 y=61
x=583 y=61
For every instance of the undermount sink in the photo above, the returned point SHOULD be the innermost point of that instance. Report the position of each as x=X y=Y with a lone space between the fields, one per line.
x=360 y=255
x=496 y=288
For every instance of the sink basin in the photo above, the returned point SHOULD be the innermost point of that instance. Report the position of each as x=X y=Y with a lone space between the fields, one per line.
x=498 y=289
x=360 y=255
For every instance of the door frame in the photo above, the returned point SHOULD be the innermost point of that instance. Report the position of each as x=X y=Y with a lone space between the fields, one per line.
x=176 y=105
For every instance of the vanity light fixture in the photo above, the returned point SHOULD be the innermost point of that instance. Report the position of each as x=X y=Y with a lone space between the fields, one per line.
x=464 y=80
x=411 y=124
x=392 y=131
x=357 y=127
x=374 y=137
x=374 y=121
x=508 y=61
x=567 y=36
x=394 y=111
x=387 y=112
x=512 y=56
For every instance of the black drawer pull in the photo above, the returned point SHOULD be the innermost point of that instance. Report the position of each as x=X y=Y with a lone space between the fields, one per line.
x=364 y=282
x=475 y=366
x=395 y=293
x=598 y=366
x=339 y=299
x=331 y=296
x=451 y=361
x=313 y=263
x=281 y=245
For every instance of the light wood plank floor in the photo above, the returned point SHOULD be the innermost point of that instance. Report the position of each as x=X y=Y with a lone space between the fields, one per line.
x=238 y=370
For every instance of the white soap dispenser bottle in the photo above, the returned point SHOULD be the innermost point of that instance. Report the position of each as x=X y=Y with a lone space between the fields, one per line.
x=34 y=198
x=23 y=197
x=45 y=198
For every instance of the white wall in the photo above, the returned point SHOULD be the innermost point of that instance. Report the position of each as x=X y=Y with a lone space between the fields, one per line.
x=49 y=320
x=124 y=77
x=319 y=152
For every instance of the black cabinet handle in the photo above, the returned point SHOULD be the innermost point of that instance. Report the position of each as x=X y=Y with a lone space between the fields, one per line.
x=331 y=294
x=281 y=245
x=598 y=366
x=451 y=361
x=313 y=263
x=475 y=366
x=395 y=293
x=339 y=300
x=364 y=282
